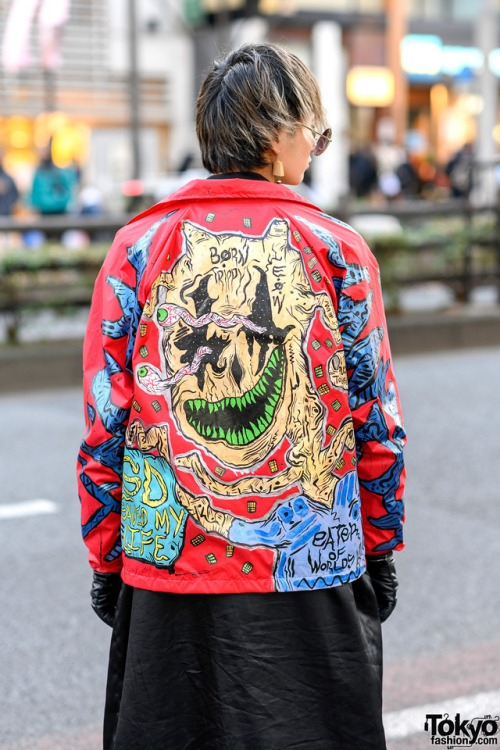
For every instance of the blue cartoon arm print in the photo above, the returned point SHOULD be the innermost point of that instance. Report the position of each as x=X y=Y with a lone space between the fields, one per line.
x=316 y=546
x=108 y=388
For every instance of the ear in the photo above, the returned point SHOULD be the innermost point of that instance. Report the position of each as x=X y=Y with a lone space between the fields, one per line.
x=277 y=143
x=272 y=152
x=194 y=234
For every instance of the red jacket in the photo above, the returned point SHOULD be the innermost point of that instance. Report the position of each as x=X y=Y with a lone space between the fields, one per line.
x=243 y=423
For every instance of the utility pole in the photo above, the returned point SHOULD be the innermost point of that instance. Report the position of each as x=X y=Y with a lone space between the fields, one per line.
x=486 y=39
x=330 y=173
x=49 y=85
x=396 y=27
x=134 y=94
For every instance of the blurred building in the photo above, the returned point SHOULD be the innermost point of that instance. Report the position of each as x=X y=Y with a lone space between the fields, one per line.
x=84 y=104
x=412 y=67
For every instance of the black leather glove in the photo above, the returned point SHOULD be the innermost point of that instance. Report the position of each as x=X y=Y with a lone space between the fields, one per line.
x=382 y=572
x=104 y=595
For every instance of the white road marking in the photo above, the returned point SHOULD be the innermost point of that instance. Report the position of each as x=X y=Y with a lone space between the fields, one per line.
x=398 y=724
x=411 y=720
x=29 y=508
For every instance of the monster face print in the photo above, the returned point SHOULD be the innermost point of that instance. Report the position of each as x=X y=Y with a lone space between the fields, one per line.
x=233 y=313
x=234 y=316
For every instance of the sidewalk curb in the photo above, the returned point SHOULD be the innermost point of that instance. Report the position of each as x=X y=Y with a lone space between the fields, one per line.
x=418 y=334
x=59 y=364
x=30 y=367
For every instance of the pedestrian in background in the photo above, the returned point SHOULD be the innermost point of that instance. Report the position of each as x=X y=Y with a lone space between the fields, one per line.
x=241 y=476
x=53 y=188
x=460 y=171
x=9 y=193
x=363 y=176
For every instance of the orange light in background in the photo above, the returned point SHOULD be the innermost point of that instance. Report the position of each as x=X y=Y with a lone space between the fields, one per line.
x=46 y=126
x=70 y=143
x=18 y=133
x=370 y=86
x=70 y=140
x=439 y=97
x=19 y=139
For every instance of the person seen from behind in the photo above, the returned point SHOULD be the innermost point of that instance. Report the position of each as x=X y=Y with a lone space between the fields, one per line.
x=241 y=476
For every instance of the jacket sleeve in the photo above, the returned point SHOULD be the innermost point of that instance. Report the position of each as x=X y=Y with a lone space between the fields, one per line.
x=374 y=404
x=108 y=393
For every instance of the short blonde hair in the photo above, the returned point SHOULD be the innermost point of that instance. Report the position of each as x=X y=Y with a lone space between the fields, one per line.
x=247 y=99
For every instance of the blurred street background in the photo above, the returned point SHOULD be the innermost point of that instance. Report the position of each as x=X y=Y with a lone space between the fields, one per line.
x=96 y=123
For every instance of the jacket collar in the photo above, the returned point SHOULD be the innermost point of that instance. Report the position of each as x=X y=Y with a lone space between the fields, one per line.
x=227 y=189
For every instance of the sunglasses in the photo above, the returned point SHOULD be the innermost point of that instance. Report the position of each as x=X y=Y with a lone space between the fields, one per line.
x=322 y=140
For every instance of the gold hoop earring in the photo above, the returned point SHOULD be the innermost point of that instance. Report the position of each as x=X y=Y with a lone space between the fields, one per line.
x=278 y=170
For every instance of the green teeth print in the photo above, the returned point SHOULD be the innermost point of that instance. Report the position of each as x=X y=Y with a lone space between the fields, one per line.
x=239 y=420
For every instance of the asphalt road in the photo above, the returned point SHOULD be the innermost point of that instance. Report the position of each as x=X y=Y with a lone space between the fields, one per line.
x=441 y=644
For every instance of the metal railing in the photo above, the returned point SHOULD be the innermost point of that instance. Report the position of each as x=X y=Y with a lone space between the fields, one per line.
x=65 y=279
x=476 y=260
x=58 y=224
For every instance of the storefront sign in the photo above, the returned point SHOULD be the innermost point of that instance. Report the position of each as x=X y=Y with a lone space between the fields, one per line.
x=425 y=56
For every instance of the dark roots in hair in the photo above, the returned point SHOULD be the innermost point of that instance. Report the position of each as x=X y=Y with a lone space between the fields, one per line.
x=247 y=99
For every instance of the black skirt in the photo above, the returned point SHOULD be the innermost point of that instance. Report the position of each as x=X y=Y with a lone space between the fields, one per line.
x=284 y=671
